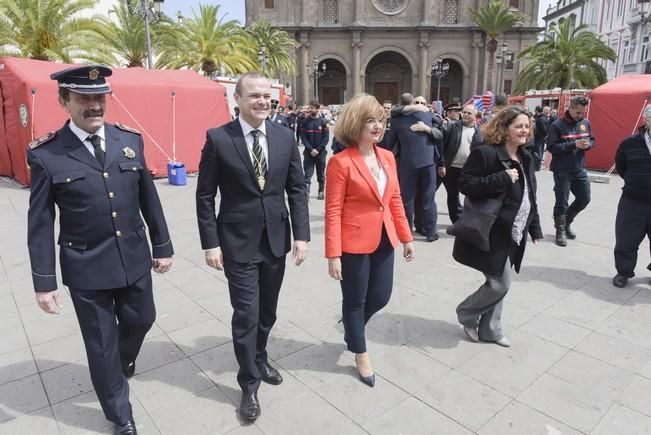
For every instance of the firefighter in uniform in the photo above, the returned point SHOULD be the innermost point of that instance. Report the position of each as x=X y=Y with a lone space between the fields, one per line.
x=95 y=173
x=315 y=135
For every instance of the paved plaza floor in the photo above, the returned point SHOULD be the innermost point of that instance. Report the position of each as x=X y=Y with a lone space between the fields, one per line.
x=580 y=361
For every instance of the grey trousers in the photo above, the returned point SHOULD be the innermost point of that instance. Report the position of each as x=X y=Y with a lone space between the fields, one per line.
x=483 y=308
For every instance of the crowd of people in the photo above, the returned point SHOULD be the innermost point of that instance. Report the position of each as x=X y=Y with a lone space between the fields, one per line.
x=379 y=186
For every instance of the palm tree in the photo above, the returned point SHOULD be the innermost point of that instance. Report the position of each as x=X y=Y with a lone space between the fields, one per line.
x=567 y=57
x=122 y=40
x=279 y=47
x=494 y=19
x=208 y=44
x=46 y=29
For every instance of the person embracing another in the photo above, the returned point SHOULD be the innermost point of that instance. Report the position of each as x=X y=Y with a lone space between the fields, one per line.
x=501 y=168
x=364 y=221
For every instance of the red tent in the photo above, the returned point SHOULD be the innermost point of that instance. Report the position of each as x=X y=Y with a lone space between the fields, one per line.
x=615 y=112
x=172 y=109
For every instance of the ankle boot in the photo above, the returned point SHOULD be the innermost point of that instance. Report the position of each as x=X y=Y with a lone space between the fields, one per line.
x=559 y=223
x=320 y=195
x=307 y=185
x=569 y=218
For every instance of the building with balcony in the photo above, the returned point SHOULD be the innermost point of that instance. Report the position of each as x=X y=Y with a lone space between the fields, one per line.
x=387 y=47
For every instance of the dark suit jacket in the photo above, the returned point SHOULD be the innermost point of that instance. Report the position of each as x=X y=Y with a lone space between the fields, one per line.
x=280 y=120
x=244 y=209
x=103 y=241
x=415 y=149
x=452 y=140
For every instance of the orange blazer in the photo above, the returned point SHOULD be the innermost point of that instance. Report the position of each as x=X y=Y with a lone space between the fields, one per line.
x=354 y=210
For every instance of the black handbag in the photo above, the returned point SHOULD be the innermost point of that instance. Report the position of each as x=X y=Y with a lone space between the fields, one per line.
x=478 y=217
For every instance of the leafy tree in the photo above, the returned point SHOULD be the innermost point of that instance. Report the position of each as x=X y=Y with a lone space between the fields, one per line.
x=279 y=47
x=46 y=29
x=208 y=44
x=494 y=19
x=567 y=57
x=121 y=38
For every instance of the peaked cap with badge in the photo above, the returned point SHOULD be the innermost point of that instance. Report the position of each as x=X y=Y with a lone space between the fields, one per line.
x=88 y=79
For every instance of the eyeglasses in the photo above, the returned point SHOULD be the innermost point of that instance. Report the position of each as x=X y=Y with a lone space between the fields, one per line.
x=420 y=102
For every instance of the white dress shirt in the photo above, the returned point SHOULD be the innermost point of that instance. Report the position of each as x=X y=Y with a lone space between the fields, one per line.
x=262 y=139
x=83 y=137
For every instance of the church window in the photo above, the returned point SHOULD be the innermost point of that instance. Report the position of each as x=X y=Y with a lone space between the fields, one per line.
x=330 y=12
x=451 y=12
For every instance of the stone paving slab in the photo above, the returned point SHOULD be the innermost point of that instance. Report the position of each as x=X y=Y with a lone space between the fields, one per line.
x=580 y=361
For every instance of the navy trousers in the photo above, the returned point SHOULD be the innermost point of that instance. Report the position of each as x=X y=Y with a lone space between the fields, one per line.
x=254 y=288
x=422 y=180
x=366 y=288
x=113 y=325
x=633 y=222
x=576 y=182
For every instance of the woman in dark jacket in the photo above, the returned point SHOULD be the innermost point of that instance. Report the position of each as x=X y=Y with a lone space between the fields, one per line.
x=485 y=175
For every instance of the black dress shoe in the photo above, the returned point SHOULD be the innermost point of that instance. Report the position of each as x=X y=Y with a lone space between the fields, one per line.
x=249 y=406
x=421 y=231
x=368 y=380
x=620 y=281
x=128 y=368
x=433 y=238
x=269 y=374
x=129 y=428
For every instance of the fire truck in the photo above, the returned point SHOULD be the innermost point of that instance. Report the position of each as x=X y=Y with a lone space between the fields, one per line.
x=556 y=98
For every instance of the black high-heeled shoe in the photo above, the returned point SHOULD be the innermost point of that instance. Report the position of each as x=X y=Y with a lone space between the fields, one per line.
x=368 y=380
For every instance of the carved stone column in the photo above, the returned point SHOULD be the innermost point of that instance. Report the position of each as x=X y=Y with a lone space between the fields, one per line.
x=303 y=63
x=425 y=13
x=423 y=64
x=357 y=13
x=474 y=66
x=356 y=72
x=304 y=13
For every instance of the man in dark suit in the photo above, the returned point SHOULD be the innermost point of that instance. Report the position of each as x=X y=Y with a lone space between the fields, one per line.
x=254 y=163
x=460 y=138
x=96 y=174
x=413 y=136
x=276 y=115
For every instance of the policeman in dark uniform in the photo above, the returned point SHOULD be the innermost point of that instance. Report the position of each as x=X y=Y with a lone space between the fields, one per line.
x=276 y=116
x=95 y=173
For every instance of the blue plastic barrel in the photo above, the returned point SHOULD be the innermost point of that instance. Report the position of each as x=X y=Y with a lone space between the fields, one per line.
x=176 y=174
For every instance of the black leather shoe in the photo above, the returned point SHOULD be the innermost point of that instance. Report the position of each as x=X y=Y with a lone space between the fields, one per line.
x=249 y=406
x=128 y=368
x=620 y=281
x=269 y=374
x=129 y=428
x=368 y=380
x=320 y=195
x=433 y=238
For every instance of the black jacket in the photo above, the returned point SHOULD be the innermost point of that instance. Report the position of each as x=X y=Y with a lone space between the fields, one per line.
x=561 y=143
x=315 y=134
x=452 y=140
x=244 y=209
x=102 y=239
x=633 y=163
x=414 y=149
x=483 y=175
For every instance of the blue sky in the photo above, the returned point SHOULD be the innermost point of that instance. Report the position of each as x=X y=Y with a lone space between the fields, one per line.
x=233 y=8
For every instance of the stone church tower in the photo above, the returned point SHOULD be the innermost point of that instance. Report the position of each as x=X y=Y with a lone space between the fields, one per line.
x=386 y=47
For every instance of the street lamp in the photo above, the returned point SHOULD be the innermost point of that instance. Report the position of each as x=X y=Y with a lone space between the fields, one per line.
x=439 y=70
x=502 y=60
x=262 y=58
x=150 y=11
x=643 y=8
x=316 y=74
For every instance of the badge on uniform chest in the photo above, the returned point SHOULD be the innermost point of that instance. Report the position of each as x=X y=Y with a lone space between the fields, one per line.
x=129 y=153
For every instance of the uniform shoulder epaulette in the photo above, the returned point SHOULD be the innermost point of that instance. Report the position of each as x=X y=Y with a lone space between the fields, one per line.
x=41 y=140
x=127 y=128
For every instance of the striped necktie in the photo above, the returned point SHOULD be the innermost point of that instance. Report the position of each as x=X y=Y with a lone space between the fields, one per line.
x=259 y=160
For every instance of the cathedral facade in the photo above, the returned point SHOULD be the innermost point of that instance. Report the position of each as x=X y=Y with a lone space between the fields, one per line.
x=387 y=47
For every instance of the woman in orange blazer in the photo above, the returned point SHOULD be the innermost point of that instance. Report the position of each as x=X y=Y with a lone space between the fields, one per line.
x=365 y=220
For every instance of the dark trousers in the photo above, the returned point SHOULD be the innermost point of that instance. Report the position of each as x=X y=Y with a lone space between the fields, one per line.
x=423 y=181
x=113 y=325
x=254 y=289
x=308 y=167
x=575 y=182
x=632 y=224
x=451 y=183
x=366 y=288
